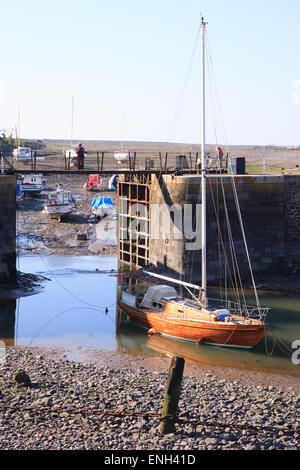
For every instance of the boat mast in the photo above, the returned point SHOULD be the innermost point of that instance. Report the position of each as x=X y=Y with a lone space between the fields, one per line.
x=203 y=171
x=72 y=121
x=19 y=128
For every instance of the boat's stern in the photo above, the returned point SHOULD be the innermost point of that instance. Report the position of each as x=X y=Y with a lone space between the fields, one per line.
x=128 y=299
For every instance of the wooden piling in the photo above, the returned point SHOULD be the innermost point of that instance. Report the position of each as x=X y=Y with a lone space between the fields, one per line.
x=134 y=160
x=172 y=396
x=160 y=161
x=102 y=161
x=166 y=162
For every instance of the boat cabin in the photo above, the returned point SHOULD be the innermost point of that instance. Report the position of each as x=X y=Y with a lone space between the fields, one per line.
x=22 y=153
x=164 y=299
x=32 y=183
x=60 y=198
x=155 y=294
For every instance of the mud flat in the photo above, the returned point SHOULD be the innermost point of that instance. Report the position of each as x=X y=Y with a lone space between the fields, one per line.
x=37 y=233
x=51 y=413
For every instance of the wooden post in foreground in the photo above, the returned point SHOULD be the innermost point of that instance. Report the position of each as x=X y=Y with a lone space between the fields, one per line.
x=172 y=396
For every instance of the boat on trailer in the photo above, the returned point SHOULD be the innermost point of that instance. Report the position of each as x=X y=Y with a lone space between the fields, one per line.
x=198 y=319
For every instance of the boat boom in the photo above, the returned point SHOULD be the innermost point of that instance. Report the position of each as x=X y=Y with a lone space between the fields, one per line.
x=175 y=281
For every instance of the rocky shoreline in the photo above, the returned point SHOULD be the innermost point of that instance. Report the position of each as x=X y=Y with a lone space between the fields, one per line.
x=41 y=416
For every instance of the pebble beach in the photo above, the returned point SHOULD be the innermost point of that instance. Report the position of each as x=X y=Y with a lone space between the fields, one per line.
x=63 y=407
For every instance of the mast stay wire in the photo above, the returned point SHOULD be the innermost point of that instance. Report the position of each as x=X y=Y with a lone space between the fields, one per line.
x=71 y=309
x=214 y=106
x=180 y=104
x=283 y=347
x=178 y=115
x=234 y=185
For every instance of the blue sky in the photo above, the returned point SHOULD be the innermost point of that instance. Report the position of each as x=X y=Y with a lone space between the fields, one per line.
x=125 y=63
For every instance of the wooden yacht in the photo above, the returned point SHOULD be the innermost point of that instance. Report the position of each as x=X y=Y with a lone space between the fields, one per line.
x=198 y=319
x=163 y=312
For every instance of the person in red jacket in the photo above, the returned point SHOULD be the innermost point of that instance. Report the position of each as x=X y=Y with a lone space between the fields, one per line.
x=80 y=156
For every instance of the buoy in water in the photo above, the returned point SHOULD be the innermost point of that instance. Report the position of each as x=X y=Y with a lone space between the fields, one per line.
x=152 y=331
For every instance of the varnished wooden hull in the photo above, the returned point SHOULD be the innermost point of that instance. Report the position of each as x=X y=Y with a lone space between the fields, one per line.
x=218 y=333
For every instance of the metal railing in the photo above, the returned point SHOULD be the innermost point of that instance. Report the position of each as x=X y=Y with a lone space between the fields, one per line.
x=105 y=162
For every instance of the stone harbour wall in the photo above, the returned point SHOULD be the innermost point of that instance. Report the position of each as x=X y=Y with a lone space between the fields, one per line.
x=270 y=208
x=8 y=273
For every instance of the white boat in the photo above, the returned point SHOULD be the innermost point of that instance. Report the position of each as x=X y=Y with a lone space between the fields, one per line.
x=121 y=157
x=113 y=183
x=59 y=204
x=102 y=207
x=32 y=184
x=22 y=154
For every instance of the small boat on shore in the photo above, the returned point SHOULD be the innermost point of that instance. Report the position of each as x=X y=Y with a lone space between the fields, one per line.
x=113 y=183
x=94 y=183
x=102 y=207
x=122 y=157
x=60 y=204
x=32 y=184
x=22 y=154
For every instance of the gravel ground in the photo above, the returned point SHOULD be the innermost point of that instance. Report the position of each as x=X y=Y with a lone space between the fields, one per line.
x=60 y=384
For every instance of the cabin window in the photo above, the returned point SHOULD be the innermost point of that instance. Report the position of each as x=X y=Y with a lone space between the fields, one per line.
x=180 y=311
x=157 y=305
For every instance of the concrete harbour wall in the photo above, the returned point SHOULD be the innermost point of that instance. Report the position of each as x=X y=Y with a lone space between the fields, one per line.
x=270 y=208
x=8 y=273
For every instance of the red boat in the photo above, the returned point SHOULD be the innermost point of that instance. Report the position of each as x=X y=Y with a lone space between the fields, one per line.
x=94 y=183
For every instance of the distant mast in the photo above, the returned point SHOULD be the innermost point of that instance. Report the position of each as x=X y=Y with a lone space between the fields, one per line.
x=19 y=128
x=72 y=121
x=203 y=171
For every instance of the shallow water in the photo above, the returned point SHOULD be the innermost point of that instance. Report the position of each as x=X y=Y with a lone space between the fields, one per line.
x=70 y=311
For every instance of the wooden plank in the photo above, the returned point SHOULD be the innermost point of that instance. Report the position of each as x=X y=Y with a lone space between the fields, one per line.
x=172 y=396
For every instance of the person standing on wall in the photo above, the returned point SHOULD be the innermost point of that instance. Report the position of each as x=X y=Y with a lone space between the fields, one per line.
x=80 y=156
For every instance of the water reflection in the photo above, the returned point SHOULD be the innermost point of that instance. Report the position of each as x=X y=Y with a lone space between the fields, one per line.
x=133 y=338
x=272 y=354
x=71 y=311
